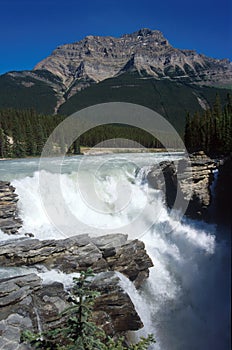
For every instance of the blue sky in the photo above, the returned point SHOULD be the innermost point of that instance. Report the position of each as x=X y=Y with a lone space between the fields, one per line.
x=31 y=29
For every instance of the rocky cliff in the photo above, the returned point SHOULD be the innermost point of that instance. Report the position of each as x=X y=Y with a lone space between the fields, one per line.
x=195 y=183
x=105 y=253
x=28 y=302
x=192 y=182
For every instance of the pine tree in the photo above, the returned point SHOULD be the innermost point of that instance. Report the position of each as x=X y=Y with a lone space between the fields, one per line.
x=30 y=140
x=2 y=143
x=40 y=138
x=80 y=332
x=211 y=132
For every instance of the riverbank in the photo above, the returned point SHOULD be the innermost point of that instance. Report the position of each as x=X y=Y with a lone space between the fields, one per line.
x=108 y=150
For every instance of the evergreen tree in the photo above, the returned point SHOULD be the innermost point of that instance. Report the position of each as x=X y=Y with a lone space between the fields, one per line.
x=30 y=140
x=80 y=333
x=40 y=138
x=2 y=143
x=212 y=131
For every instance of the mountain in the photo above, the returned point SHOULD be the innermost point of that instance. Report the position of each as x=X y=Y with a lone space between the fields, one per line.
x=98 y=58
x=141 y=67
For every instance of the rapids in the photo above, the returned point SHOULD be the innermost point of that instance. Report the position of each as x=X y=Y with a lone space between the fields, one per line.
x=185 y=302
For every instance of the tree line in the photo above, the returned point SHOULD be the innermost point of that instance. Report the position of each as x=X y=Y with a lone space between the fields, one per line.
x=210 y=131
x=24 y=132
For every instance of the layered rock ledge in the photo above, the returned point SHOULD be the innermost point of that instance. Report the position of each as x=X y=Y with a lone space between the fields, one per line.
x=29 y=303
x=106 y=253
x=9 y=219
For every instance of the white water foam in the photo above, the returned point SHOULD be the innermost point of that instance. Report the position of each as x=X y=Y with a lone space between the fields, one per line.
x=184 y=302
x=6 y=237
x=111 y=214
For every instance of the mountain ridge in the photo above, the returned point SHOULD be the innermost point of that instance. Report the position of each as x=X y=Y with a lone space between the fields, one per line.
x=98 y=58
x=56 y=83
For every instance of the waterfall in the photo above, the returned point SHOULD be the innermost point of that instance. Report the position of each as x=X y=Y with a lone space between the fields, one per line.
x=185 y=301
x=39 y=324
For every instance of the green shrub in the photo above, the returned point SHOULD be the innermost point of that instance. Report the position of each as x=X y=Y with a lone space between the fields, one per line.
x=80 y=333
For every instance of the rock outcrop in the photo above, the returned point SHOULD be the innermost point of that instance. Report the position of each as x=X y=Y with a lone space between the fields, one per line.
x=114 y=304
x=195 y=183
x=27 y=303
x=105 y=253
x=192 y=182
x=9 y=220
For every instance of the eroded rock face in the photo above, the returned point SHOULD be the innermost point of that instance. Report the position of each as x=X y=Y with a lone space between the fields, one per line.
x=200 y=176
x=9 y=220
x=115 y=302
x=193 y=182
x=73 y=67
x=17 y=310
x=28 y=304
x=105 y=253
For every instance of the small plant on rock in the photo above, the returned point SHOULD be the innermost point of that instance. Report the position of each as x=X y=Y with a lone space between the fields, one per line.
x=80 y=333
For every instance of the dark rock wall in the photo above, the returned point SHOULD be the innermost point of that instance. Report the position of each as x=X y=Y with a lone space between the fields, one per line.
x=190 y=179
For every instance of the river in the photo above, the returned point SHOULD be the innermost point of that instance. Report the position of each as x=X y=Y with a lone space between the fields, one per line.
x=185 y=302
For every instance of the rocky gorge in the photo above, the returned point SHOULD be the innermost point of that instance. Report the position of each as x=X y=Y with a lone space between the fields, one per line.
x=30 y=300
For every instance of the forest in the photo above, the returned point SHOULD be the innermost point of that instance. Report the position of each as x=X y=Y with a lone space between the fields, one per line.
x=24 y=132
x=210 y=131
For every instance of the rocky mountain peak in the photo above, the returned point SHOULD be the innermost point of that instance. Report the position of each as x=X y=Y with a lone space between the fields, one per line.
x=142 y=66
x=75 y=66
x=146 y=33
x=96 y=58
x=143 y=32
